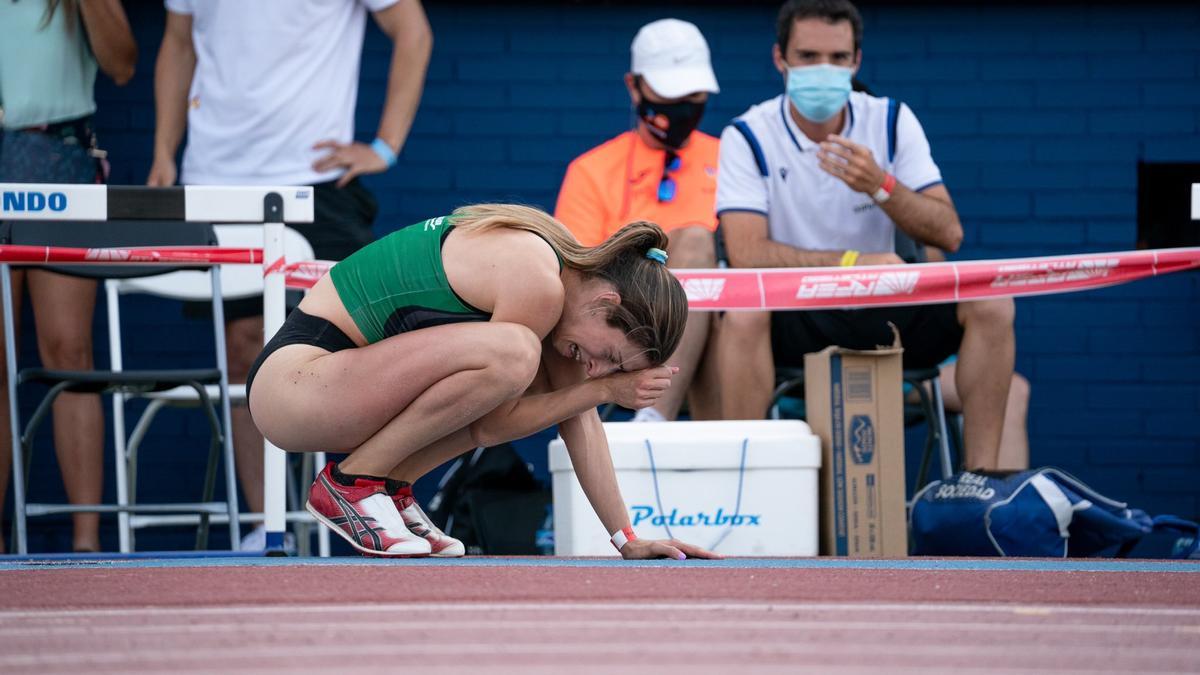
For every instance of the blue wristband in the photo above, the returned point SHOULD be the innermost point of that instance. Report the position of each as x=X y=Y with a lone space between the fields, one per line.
x=384 y=151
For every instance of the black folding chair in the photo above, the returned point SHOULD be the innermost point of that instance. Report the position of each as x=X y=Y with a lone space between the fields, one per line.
x=119 y=234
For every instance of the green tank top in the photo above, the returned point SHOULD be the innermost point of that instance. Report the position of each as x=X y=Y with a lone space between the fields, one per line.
x=398 y=283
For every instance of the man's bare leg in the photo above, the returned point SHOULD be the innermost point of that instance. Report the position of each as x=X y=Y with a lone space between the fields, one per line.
x=704 y=396
x=985 y=369
x=1014 y=439
x=746 y=365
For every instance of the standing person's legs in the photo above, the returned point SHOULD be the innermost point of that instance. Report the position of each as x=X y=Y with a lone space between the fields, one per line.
x=243 y=342
x=745 y=363
x=985 y=371
x=63 y=154
x=63 y=308
x=688 y=247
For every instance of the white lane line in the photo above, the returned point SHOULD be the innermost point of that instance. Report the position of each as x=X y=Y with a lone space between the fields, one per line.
x=1097 y=656
x=629 y=607
x=191 y=628
x=316 y=666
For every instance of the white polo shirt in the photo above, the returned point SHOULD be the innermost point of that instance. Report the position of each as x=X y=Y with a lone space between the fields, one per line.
x=272 y=78
x=768 y=166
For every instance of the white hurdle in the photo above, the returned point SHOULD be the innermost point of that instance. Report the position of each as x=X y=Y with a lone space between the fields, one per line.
x=273 y=206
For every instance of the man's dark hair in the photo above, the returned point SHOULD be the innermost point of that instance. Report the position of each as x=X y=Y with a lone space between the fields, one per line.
x=832 y=11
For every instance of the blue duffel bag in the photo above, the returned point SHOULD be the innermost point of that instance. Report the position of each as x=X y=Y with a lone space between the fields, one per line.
x=1041 y=513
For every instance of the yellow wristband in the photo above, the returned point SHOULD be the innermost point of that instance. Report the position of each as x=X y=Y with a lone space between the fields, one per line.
x=849 y=258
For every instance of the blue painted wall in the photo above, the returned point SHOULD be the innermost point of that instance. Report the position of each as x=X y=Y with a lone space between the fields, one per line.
x=1037 y=115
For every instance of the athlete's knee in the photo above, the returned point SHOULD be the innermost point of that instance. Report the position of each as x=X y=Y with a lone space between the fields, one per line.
x=691 y=247
x=516 y=355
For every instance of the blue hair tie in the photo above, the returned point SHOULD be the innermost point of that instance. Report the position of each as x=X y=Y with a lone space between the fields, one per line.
x=657 y=255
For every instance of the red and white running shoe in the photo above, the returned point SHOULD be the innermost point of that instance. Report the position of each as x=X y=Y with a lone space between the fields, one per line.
x=364 y=516
x=442 y=544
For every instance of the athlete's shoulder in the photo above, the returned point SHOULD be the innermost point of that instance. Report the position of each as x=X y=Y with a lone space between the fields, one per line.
x=517 y=251
x=528 y=262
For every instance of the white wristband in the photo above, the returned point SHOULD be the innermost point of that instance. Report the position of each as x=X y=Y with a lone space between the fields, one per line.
x=884 y=192
x=623 y=536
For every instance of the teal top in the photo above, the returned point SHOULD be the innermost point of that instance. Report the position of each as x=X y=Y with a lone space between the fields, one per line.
x=46 y=73
x=398 y=283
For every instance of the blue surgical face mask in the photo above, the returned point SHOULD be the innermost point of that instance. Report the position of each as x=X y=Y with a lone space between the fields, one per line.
x=819 y=92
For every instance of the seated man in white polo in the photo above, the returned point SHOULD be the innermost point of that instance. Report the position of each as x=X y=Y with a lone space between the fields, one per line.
x=821 y=176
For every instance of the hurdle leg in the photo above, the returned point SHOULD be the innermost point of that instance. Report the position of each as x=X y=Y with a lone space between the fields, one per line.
x=274 y=460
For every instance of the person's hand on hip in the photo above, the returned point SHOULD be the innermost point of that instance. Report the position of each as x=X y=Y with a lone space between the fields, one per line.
x=356 y=158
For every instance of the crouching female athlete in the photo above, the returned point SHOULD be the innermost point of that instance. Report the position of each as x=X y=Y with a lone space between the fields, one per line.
x=465 y=331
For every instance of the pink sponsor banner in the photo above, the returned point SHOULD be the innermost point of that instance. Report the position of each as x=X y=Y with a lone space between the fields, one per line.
x=718 y=290
x=893 y=285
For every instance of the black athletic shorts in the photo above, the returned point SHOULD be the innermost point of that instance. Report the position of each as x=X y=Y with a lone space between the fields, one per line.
x=342 y=219
x=302 y=329
x=929 y=333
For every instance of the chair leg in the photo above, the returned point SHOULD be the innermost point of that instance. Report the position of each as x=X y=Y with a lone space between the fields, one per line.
x=226 y=412
x=23 y=460
x=927 y=452
x=210 y=474
x=956 y=438
x=121 y=467
x=210 y=486
x=19 y=541
x=782 y=390
x=943 y=437
x=130 y=460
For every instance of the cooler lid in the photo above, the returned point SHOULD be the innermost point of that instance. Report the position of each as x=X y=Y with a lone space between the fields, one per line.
x=684 y=446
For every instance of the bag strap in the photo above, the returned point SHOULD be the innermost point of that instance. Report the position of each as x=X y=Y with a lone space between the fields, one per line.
x=1167 y=522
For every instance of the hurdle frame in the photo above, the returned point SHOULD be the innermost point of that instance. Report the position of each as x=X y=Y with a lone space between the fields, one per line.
x=272 y=206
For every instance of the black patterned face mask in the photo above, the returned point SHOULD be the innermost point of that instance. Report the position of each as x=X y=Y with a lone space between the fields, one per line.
x=670 y=123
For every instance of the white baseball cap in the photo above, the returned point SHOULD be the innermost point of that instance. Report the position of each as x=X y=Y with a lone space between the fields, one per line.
x=673 y=58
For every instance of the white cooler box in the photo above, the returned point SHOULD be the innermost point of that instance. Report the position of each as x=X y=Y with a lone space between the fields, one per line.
x=689 y=478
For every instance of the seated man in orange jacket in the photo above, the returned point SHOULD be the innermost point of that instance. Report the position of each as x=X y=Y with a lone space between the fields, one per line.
x=664 y=171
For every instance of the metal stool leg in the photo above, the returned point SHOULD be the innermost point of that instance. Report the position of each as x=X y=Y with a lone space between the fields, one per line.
x=943 y=436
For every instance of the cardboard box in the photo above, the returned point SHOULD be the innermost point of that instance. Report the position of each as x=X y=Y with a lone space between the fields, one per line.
x=739 y=488
x=854 y=403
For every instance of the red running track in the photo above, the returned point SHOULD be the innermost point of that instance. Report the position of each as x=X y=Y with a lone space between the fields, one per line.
x=535 y=619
